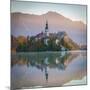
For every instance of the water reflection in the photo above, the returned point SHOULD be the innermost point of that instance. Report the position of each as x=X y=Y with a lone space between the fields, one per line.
x=41 y=60
x=47 y=68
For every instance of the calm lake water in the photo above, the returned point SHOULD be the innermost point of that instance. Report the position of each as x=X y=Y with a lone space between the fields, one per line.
x=45 y=69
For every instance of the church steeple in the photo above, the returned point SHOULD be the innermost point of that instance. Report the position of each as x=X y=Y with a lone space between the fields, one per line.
x=46 y=25
x=46 y=28
x=46 y=33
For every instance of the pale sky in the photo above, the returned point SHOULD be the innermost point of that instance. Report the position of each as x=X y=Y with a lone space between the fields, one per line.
x=74 y=12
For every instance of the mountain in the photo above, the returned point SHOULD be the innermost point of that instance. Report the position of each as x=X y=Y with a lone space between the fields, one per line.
x=69 y=43
x=30 y=24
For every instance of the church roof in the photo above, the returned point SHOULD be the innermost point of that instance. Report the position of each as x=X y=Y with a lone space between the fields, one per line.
x=39 y=35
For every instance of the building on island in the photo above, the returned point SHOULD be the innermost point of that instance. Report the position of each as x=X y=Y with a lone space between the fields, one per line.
x=44 y=35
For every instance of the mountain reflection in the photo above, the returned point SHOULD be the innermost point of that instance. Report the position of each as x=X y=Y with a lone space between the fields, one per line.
x=44 y=60
x=47 y=68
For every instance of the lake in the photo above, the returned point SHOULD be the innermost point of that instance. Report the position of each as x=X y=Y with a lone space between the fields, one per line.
x=48 y=69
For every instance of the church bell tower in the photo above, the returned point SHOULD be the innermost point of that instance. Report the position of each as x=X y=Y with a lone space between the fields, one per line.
x=46 y=33
x=46 y=29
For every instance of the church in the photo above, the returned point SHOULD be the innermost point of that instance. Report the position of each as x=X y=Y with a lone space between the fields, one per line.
x=44 y=35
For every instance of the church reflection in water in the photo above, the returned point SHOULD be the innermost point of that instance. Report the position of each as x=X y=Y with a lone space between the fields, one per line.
x=44 y=61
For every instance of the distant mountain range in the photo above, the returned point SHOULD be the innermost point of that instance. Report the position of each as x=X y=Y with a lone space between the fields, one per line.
x=30 y=24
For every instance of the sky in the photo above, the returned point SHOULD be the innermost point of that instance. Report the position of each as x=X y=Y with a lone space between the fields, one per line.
x=74 y=12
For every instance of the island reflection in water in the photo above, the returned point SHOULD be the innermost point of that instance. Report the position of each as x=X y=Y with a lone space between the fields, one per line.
x=48 y=69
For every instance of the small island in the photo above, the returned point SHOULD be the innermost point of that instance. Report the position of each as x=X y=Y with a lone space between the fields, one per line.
x=44 y=41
